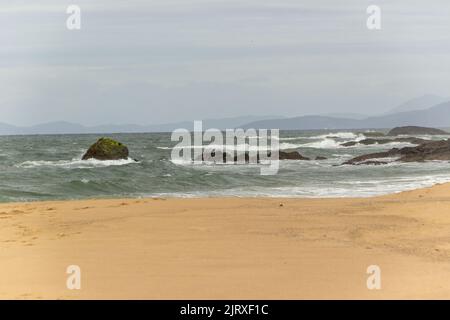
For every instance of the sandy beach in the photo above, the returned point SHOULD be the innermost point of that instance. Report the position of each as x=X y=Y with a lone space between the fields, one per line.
x=228 y=248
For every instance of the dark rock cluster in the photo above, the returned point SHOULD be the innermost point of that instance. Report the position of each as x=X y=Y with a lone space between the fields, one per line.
x=430 y=150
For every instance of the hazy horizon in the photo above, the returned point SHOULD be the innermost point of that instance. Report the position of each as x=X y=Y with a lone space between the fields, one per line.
x=157 y=62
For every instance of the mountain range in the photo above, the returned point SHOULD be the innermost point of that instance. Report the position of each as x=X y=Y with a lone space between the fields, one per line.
x=435 y=116
x=419 y=103
x=64 y=127
x=419 y=111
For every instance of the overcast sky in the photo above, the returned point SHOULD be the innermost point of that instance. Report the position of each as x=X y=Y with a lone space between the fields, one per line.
x=148 y=62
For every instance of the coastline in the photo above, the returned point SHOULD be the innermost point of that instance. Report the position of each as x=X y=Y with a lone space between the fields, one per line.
x=229 y=248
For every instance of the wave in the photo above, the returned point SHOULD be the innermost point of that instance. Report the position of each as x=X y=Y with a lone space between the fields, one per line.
x=326 y=143
x=356 y=188
x=336 y=135
x=340 y=135
x=217 y=147
x=75 y=163
x=333 y=144
x=383 y=145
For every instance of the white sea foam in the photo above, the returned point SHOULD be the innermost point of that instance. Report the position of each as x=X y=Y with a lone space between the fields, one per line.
x=292 y=138
x=75 y=163
x=217 y=147
x=326 y=143
x=384 y=145
x=368 y=188
x=339 y=135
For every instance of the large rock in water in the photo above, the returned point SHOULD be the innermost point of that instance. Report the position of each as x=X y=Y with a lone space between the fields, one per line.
x=430 y=150
x=283 y=155
x=413 y=130
x=106 y=149
x=293 y=155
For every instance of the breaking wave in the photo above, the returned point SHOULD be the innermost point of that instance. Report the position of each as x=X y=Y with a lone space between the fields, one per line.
x=75 y=163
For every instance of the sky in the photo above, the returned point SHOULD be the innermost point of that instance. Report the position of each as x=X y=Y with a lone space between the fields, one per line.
x=149 y=62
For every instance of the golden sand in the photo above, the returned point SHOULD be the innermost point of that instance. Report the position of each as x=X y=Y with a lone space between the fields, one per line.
x=228 y=248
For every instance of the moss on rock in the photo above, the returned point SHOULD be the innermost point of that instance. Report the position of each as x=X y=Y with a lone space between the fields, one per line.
x=106 y=149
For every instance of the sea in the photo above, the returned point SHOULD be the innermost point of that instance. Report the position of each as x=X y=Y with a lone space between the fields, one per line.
x=49 y=167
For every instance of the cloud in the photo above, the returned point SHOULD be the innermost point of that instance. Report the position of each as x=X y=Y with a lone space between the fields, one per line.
x=161 y=58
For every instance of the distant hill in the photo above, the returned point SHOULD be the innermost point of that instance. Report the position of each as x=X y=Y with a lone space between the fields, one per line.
x=224 y=123
x=63 y=127
x=357 y=116
x=305 y=123
x=7 y=129
x=437 y=116
x=419 y=103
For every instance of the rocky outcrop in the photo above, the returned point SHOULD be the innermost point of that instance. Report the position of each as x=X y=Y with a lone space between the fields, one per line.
x=283 y=155
x=430 y=150
x=350 y=143
x=293 y=155
x=321 y=158
x=374 y=163
x=414 y=130
x=106 y=149
x=371 y=141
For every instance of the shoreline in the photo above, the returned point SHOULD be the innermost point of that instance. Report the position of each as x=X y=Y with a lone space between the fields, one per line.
x=212 y=197
x=228 y=247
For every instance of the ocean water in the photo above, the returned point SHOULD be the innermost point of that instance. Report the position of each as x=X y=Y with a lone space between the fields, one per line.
x=50 y=167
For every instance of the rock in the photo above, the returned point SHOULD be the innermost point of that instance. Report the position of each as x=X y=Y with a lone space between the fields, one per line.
x=414 y=130
x=411 y=140
x=429 y=150
x=293 y=155
x=321 y=158
x=349 y=144
x=106 y=149
x=374 y=162
x=225 y=157
x=363 y=158
x=371 y=141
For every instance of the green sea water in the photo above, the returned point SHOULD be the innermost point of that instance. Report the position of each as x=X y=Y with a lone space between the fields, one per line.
x=49 y=167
